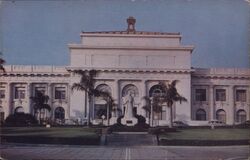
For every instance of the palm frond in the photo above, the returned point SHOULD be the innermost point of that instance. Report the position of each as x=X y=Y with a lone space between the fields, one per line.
x=173 y=83
x=46 y=106
x=40 y=101
x=78 y=87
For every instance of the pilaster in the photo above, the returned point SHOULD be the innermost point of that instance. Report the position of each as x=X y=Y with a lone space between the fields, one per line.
x=144 y=94
x=117 y=94
x=211 y=102
x=8 y=100
x=29 y=91
x=231 y=105
x=50 y=94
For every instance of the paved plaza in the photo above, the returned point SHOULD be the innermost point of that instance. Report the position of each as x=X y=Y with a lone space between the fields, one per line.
x=63 y=152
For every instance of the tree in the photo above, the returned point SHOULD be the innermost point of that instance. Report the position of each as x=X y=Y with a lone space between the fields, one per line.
x=20 y=120
x=2 y=61
x=152 y=105
x=111 y=105
x=147 y=107
x=171 y=95
x=87 y=85
x=40 y=102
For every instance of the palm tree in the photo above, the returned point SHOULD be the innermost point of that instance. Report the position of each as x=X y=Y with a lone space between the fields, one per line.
x=147 y=107
x=2 y=61
x=111 y=105
x=171 y=95
x=40 y=102
x=87 y=85
x=152 y=105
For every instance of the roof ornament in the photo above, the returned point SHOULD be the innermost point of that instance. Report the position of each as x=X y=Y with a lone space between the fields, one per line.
x=131 y=24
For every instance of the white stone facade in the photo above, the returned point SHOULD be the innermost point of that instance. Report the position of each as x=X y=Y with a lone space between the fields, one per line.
x=137 y=61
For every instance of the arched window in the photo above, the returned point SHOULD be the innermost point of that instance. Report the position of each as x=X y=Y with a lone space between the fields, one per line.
x=201 y=115
x=100 y=107
x=241 y=115
x=19 y=110
x=104 y=88
x=59 y=113
x=130 y=88
x=221 y=115
x=156 y=90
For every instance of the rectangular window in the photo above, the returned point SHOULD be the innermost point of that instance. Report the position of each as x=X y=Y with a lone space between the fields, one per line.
x=19 y=92
x=241 y=95
x=2 y=94
x=220 y=95
x=200 y=95
x=60 y=93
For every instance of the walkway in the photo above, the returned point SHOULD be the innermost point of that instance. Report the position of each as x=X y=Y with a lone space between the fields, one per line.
x=131 y=139
x=123 y=153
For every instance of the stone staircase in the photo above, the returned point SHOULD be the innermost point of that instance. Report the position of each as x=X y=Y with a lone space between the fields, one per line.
x=131 y=139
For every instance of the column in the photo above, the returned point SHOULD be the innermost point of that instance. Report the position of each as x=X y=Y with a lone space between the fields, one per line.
x=68 y=89
x=29 y=90
x=211 y=102
x=8 y=100
x=50 y=94
x=231 y=108
x=248 y=103
x=117 y=94
x=144 y=94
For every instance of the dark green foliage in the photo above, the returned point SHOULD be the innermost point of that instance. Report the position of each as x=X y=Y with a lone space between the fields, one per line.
x=2 y=61
x=123 y=128
x=119 y=120
x=141 y=119
x=20 y=120
x=40 y=102
x=141 y=122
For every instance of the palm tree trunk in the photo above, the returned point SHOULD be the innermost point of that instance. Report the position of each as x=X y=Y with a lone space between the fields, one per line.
x=170 y=117
x=85 y=105
x=88 y=110
x=151 y=115
x=149 y=118
x=108 y=114
x=40 y=116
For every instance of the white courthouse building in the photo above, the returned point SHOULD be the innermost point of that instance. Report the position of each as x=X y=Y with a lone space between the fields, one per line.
x=127 y=61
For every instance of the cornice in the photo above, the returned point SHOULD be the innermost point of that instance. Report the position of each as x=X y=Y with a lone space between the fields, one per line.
x=133 y=70
x=20 y=74
x=178 y=48
x=125 y=35
x=221 y=73
x=221 y=76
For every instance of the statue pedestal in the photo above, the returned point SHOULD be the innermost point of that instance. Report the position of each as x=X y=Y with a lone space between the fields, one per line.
x=129 y=121
x=113 y=120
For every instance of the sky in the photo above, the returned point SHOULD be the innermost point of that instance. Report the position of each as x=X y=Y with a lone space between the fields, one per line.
x=36 y=32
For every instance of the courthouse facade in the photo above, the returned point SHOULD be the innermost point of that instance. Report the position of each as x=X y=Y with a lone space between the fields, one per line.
x=130 y=61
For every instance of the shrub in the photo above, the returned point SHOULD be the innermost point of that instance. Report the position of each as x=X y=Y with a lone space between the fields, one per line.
x=119 y=119
x=20 y=120
x=141 y=122
x=141 y=119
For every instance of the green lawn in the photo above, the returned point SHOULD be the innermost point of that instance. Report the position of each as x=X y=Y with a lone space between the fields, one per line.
x=208 y=134
x=64 y=132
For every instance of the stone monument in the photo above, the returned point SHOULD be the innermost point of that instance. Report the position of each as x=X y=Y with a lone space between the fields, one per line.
x=128 y=103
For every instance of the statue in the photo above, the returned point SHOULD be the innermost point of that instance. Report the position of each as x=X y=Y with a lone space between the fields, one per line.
x=129 y=104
